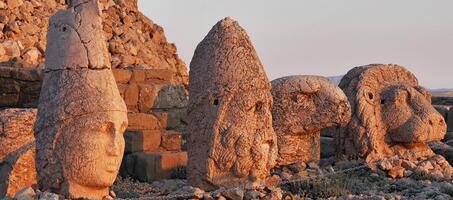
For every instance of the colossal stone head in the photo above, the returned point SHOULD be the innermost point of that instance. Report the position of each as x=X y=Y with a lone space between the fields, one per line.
x=81 y=115
x=303 y=105
x=231 y=139
x=391 y=115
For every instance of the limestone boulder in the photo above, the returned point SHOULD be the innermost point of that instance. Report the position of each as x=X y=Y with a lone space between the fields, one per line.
x=303 y=105
x=81 y=115
x=392 y=115
x=20 y=87
x=17 y=155
x=16 y=129
x=151 y=166
x=231 y=139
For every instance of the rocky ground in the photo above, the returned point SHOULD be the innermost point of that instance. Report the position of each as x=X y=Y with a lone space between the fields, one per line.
x=303 y=181
x=344 y=180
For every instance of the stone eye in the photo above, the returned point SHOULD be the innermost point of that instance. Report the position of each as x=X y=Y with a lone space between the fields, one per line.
x=298 y=98
x=64 y=29
x=259 y=106
x=370 y=95
x=383 y=101
x=215 y=102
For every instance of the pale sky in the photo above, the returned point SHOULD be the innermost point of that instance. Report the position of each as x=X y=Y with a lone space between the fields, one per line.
x=321 y=37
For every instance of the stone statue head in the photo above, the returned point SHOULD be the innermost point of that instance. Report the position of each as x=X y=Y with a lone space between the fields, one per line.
x=81 y=115
x=231 y=139
x=303 y=105
x=92 y=150
x=307 y=104
x=391 y=114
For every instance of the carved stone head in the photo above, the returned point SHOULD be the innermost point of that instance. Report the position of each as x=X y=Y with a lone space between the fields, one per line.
x=231 y=139
x=391 y=114
x=303 y=105
x=81 y=115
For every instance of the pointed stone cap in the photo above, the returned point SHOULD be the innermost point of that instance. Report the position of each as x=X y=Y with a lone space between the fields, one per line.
x=75 y=38
x=225 y=62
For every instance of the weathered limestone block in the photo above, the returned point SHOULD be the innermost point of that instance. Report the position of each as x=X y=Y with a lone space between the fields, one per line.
x=327 y=147
x=171 y=96
x=16 y=129
x=153 y=166
x=231 y=139
x=392 y=115
x=20 y=87
x=142 y=121
x=81 y=115
x=142 y=141
x=17 y=152
x=171 y=141
x=303 y=105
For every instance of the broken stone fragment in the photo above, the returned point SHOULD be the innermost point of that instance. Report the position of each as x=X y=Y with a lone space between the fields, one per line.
x=231 y=139
x=17 y=152
x=303 y=105
x=81 y=115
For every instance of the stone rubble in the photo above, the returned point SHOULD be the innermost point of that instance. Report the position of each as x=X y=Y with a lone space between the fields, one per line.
x=134 y=41
x=17 y=154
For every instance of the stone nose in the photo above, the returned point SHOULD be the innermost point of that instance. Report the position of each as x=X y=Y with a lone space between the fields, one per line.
x=437 y=126
x=344 y=111
x=114 y=148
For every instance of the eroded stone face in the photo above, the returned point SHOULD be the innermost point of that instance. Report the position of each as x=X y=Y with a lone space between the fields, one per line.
x=392 y=115
x=303 y=105
x=81 y=115
x=231 y=139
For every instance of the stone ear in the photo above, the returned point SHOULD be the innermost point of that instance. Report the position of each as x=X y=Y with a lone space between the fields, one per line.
x=425 y=92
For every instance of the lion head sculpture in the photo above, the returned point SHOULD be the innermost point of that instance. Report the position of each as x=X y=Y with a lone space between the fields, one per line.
x=391 y=115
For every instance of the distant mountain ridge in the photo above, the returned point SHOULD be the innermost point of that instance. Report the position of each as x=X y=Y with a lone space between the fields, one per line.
x=335 y=79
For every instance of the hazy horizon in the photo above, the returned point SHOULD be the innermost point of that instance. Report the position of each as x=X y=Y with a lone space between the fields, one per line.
x=323 y=38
